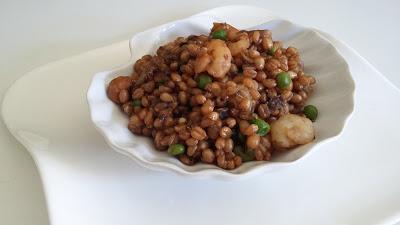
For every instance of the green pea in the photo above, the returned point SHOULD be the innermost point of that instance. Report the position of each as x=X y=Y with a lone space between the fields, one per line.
x=245 y=154
x=283 y=80
x=159 y=83
x=271 y=51
x=241 y=138
x=311 y=112
x=263 y=127
x=203 y=80
x=219 y=34
x=250 y=156
x=136 y=103
x=176 y=149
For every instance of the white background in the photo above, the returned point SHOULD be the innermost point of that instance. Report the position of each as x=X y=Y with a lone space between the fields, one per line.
x=33 y=33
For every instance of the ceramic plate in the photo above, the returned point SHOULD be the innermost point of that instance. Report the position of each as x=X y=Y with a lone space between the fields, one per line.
x=351 y=181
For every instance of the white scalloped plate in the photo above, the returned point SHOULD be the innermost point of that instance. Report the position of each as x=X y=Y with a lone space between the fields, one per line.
x=352 y=181
x=333 y=96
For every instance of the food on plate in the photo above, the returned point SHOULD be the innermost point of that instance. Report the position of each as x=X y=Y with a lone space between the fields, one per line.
x=311 y=112
x=291 y=130
x=225 y=98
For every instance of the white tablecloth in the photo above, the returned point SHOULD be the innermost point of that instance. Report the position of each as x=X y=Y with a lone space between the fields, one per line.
x=36 y=32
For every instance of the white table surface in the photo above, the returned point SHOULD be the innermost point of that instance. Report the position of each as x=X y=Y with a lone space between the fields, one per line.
x=36 y=32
